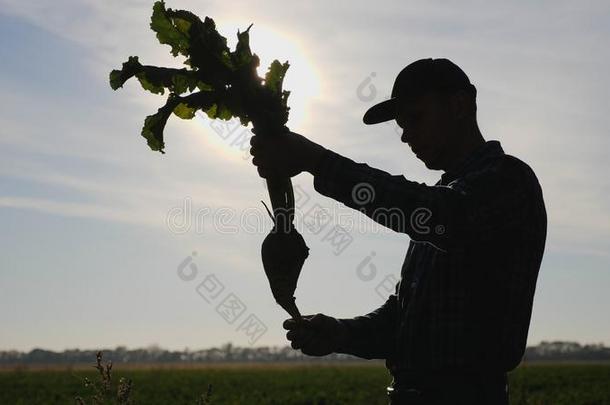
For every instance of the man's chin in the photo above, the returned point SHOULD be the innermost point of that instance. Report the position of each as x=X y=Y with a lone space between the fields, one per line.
x=432 y=163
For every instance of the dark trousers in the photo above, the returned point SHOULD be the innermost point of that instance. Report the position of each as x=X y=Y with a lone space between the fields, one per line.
x=458 y=389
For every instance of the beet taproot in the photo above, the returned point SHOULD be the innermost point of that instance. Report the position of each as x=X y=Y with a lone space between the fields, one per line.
x=283 y=257
x=284 y=252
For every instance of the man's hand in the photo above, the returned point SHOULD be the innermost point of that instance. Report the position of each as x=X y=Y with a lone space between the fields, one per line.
x=316 y=335
x=288 y=154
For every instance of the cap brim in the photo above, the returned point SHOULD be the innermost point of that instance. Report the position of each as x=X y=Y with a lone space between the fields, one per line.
x=384 y=111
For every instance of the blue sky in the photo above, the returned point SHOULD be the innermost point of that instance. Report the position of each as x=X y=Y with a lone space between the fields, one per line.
x=87 y=256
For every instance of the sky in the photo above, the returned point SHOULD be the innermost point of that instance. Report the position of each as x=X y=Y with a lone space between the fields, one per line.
x=104 y=242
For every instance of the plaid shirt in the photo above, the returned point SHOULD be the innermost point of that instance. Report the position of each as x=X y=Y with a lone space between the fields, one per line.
x=467 y=284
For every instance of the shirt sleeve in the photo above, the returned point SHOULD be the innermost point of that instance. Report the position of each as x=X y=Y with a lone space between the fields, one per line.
x=372 y=336
x=467 y=210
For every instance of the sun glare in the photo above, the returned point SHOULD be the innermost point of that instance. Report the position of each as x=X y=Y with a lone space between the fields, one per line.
x=302 y=79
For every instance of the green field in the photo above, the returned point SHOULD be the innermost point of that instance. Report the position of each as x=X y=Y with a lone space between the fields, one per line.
x=292 y=384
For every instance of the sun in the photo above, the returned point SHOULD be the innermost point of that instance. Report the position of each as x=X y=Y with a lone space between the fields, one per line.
x=302 y=79
x=228 y=138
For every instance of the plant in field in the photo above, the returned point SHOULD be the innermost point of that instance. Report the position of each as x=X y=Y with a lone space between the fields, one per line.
x=205 y=399
x=224 y=84
x=103 y=390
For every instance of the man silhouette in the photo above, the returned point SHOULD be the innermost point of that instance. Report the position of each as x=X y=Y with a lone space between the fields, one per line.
x=459 y=317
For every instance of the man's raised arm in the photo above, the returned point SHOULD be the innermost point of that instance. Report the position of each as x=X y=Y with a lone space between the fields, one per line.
x=495 y=198
x=489 y=200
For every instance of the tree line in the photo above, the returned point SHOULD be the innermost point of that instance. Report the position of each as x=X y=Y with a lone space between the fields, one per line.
x=545 y=351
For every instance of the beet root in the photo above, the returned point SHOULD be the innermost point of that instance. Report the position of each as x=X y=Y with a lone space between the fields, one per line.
x=284 y=254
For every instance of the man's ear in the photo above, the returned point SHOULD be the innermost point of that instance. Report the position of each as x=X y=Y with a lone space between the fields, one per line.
x=460 y=104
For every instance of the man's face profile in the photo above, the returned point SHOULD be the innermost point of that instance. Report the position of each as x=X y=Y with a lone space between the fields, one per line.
x=429 y=128
x=425 y=121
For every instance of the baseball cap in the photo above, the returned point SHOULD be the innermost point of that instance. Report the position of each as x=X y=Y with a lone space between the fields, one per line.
x=420 y=76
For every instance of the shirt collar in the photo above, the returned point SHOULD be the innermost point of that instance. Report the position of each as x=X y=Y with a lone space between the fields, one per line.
x=489 y=149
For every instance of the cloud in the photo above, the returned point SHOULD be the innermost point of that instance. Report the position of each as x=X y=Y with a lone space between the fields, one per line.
x=535 y=53
x=63 y=208
x=71 y=146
